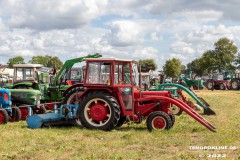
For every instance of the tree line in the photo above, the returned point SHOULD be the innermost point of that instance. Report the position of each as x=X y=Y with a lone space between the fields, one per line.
x=47 y=61
x=223 y=57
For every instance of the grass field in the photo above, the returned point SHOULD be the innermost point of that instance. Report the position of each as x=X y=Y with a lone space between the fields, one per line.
x=132 y=141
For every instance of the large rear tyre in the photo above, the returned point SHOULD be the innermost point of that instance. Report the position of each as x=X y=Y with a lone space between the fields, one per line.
x=210 y=85
x=3 y=116
x=16 y=115
x=159 y=120
x=99 y=110
x=121 y=121
x=73 y=97
x=234 y=84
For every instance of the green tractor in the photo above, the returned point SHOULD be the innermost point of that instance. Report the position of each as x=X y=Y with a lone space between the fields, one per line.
x=34 y=84
x=191 y=83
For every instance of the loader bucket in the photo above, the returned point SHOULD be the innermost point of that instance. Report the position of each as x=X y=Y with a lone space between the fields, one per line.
x=200 y=101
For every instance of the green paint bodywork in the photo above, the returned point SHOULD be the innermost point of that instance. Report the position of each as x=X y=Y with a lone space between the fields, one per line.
x=26 y=96
x=178 y=86
x=43 y=86
x=192 y=82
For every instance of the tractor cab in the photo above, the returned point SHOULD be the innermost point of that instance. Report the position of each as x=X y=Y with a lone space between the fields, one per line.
x=25 y=72
x=114 y=75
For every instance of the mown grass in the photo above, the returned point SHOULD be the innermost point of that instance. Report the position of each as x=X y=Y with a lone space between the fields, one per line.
x=131 y=141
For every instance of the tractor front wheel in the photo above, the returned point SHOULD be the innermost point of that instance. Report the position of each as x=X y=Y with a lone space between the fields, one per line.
x=158 y=120
x=99 y=110
x=210 y=85
x=16 y=115
x=3 y=116
x=222 y=86
x=195 y=87
x=234 y=84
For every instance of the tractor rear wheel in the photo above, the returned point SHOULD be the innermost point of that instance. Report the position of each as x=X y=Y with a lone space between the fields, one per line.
x=121 y=121
x=72 y=97
x=210 y=85
x=3 y=116
x=234 y=84
x=16 y=115
x=99 y=110
x=159 y=120
x=176 y=110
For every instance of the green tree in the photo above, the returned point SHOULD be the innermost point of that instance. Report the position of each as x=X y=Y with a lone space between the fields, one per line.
x=197 y=66
x=237 y=59
x=147 y=65
x=223 y=55
x=47 y=61
x=15 y=60
x=172 y=68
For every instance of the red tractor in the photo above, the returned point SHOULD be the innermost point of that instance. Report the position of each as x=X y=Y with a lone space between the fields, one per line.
x=110 y=93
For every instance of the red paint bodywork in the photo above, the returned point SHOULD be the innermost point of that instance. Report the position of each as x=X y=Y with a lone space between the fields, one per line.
x=136 y=104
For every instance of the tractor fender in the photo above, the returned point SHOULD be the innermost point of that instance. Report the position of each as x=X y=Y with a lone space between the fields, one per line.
x=27 y=84
x=88 y=90
x=184 y=107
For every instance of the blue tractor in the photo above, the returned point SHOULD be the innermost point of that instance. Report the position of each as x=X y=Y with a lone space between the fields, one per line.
x=7 y=112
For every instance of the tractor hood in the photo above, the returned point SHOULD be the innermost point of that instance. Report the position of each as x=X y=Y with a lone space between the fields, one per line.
x=26 y=96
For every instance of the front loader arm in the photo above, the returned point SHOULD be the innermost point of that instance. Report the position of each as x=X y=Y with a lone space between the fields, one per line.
x=181 y=105
x=67 y=66
x=194 y=96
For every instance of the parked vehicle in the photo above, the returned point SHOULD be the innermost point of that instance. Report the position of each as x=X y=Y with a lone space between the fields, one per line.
x=110 y=92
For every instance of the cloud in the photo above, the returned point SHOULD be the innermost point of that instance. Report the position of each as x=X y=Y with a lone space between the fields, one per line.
x=123 y=29
x=53 y=14
x=182 y=48
x=229 y=9
x=124 y=33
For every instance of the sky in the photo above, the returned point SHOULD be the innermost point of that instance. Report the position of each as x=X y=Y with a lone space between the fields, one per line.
x=128 y=29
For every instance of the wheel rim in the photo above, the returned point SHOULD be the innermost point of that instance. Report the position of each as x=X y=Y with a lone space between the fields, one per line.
x=72 y=99
x=175 y=110
x=210 y=85
x=234 y=85
x=222 y=86
x=97 y=112
x=159 y=123
x=1 y=117
x=24 y=112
